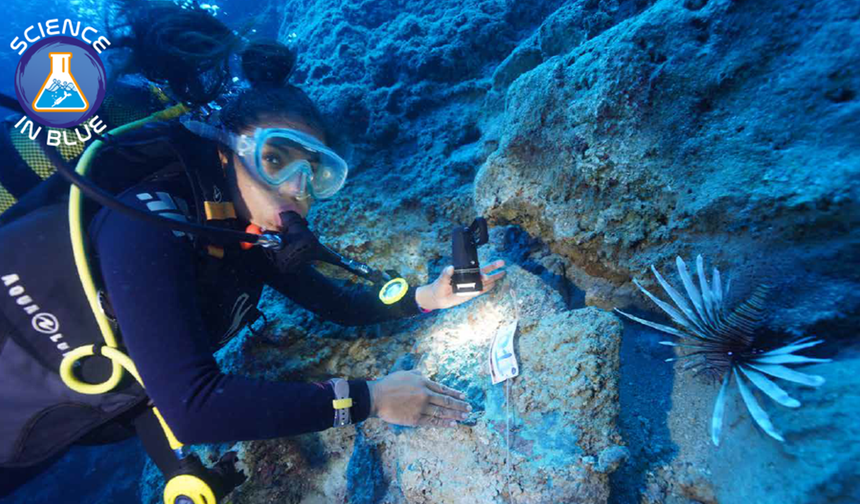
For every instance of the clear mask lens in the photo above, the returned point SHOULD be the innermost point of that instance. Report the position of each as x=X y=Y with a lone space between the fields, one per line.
x=282 y=154
x=298 y=184
x=281 y=159
x=276 y=155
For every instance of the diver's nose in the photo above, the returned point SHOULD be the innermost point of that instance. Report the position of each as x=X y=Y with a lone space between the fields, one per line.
x=296 y=186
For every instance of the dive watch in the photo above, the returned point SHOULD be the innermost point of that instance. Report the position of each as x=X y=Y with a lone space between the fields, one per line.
x=342 y=402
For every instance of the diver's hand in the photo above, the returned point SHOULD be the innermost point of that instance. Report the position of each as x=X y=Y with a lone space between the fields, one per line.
x=440 y=293
x=407 y=398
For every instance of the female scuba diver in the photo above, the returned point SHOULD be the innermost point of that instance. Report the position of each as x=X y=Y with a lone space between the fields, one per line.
x=260 y=162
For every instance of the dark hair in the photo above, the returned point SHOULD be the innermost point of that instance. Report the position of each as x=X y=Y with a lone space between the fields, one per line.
x=189 y=50
x=267 y=65
x=186 y=48
x=251 y=105
x=267 y=62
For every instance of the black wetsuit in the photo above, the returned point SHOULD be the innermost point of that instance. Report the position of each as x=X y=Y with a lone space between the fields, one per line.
x=171 y=324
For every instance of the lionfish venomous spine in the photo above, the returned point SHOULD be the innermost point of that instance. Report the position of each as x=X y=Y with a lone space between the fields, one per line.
x=721 y=343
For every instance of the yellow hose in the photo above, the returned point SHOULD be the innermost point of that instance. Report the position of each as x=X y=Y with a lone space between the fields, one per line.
x=113 y=354
x=180 y=485
x=79 y=248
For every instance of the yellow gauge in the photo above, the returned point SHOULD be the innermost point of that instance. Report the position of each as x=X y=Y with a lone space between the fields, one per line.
x=393 y=291
x=188 y=489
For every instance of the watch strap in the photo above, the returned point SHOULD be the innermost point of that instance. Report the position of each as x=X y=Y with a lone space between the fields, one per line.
x=342 y=402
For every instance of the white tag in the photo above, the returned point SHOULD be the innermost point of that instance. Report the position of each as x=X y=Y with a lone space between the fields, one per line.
x=503 y=361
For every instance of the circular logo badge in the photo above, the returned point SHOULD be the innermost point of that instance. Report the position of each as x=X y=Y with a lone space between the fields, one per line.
x=60 y=82
x=45 y=323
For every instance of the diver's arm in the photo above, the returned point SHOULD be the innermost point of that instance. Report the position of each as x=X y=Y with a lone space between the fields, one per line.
x=341 y=301
x=150 y=276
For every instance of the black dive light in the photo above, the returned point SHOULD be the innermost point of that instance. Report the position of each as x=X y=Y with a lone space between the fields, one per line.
x=467 y=270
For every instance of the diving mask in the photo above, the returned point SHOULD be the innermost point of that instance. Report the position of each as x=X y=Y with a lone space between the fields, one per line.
x=277 y=155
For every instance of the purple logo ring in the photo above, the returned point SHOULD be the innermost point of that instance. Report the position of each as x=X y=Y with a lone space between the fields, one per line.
x=60 y=82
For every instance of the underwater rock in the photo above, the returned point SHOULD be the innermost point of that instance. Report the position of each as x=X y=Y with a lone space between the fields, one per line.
x=818 y=462
x=679 y=131
x=570 y=25
x=563 y=405
x=562 y=416
x=151 y=484
x=612 y=457
x=670 y=485
x=366 y=482
x=521 y=60
x=98 y=473
x=824 y=443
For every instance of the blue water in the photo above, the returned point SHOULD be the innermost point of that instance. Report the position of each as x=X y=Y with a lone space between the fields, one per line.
x=87 y=474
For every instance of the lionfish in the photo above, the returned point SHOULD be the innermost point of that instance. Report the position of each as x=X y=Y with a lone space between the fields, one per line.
x=721 y=344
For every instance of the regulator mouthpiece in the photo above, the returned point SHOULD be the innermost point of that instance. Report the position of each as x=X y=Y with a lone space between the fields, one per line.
x=271 y=241
x=294 y=246
x=467 y=270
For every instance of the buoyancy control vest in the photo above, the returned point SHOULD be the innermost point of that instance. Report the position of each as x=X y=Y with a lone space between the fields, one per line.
x=44 y=314
x=43 y=309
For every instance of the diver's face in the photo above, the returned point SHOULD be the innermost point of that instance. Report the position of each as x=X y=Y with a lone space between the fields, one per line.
x=257 y=201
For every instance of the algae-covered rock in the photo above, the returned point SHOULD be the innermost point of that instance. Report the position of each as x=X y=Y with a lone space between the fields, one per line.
x=561 y=418
x=730 y=129
x=559 y=423
x=818 y=463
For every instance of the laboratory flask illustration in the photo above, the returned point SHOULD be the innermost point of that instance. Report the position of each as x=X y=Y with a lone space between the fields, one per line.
x=60 y=82
x=60 y=92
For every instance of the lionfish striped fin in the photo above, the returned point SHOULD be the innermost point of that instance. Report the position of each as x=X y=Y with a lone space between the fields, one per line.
x=682 y=305
x=770 y=388
x=718 y=293
x=707 y=296
x=755 y=410
x=793 y=347
x=789 y=374
x=788 y=359
x=676 y=316
x=654 y=325
x=719 y=410
x=747 y=317
x=691 y=289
